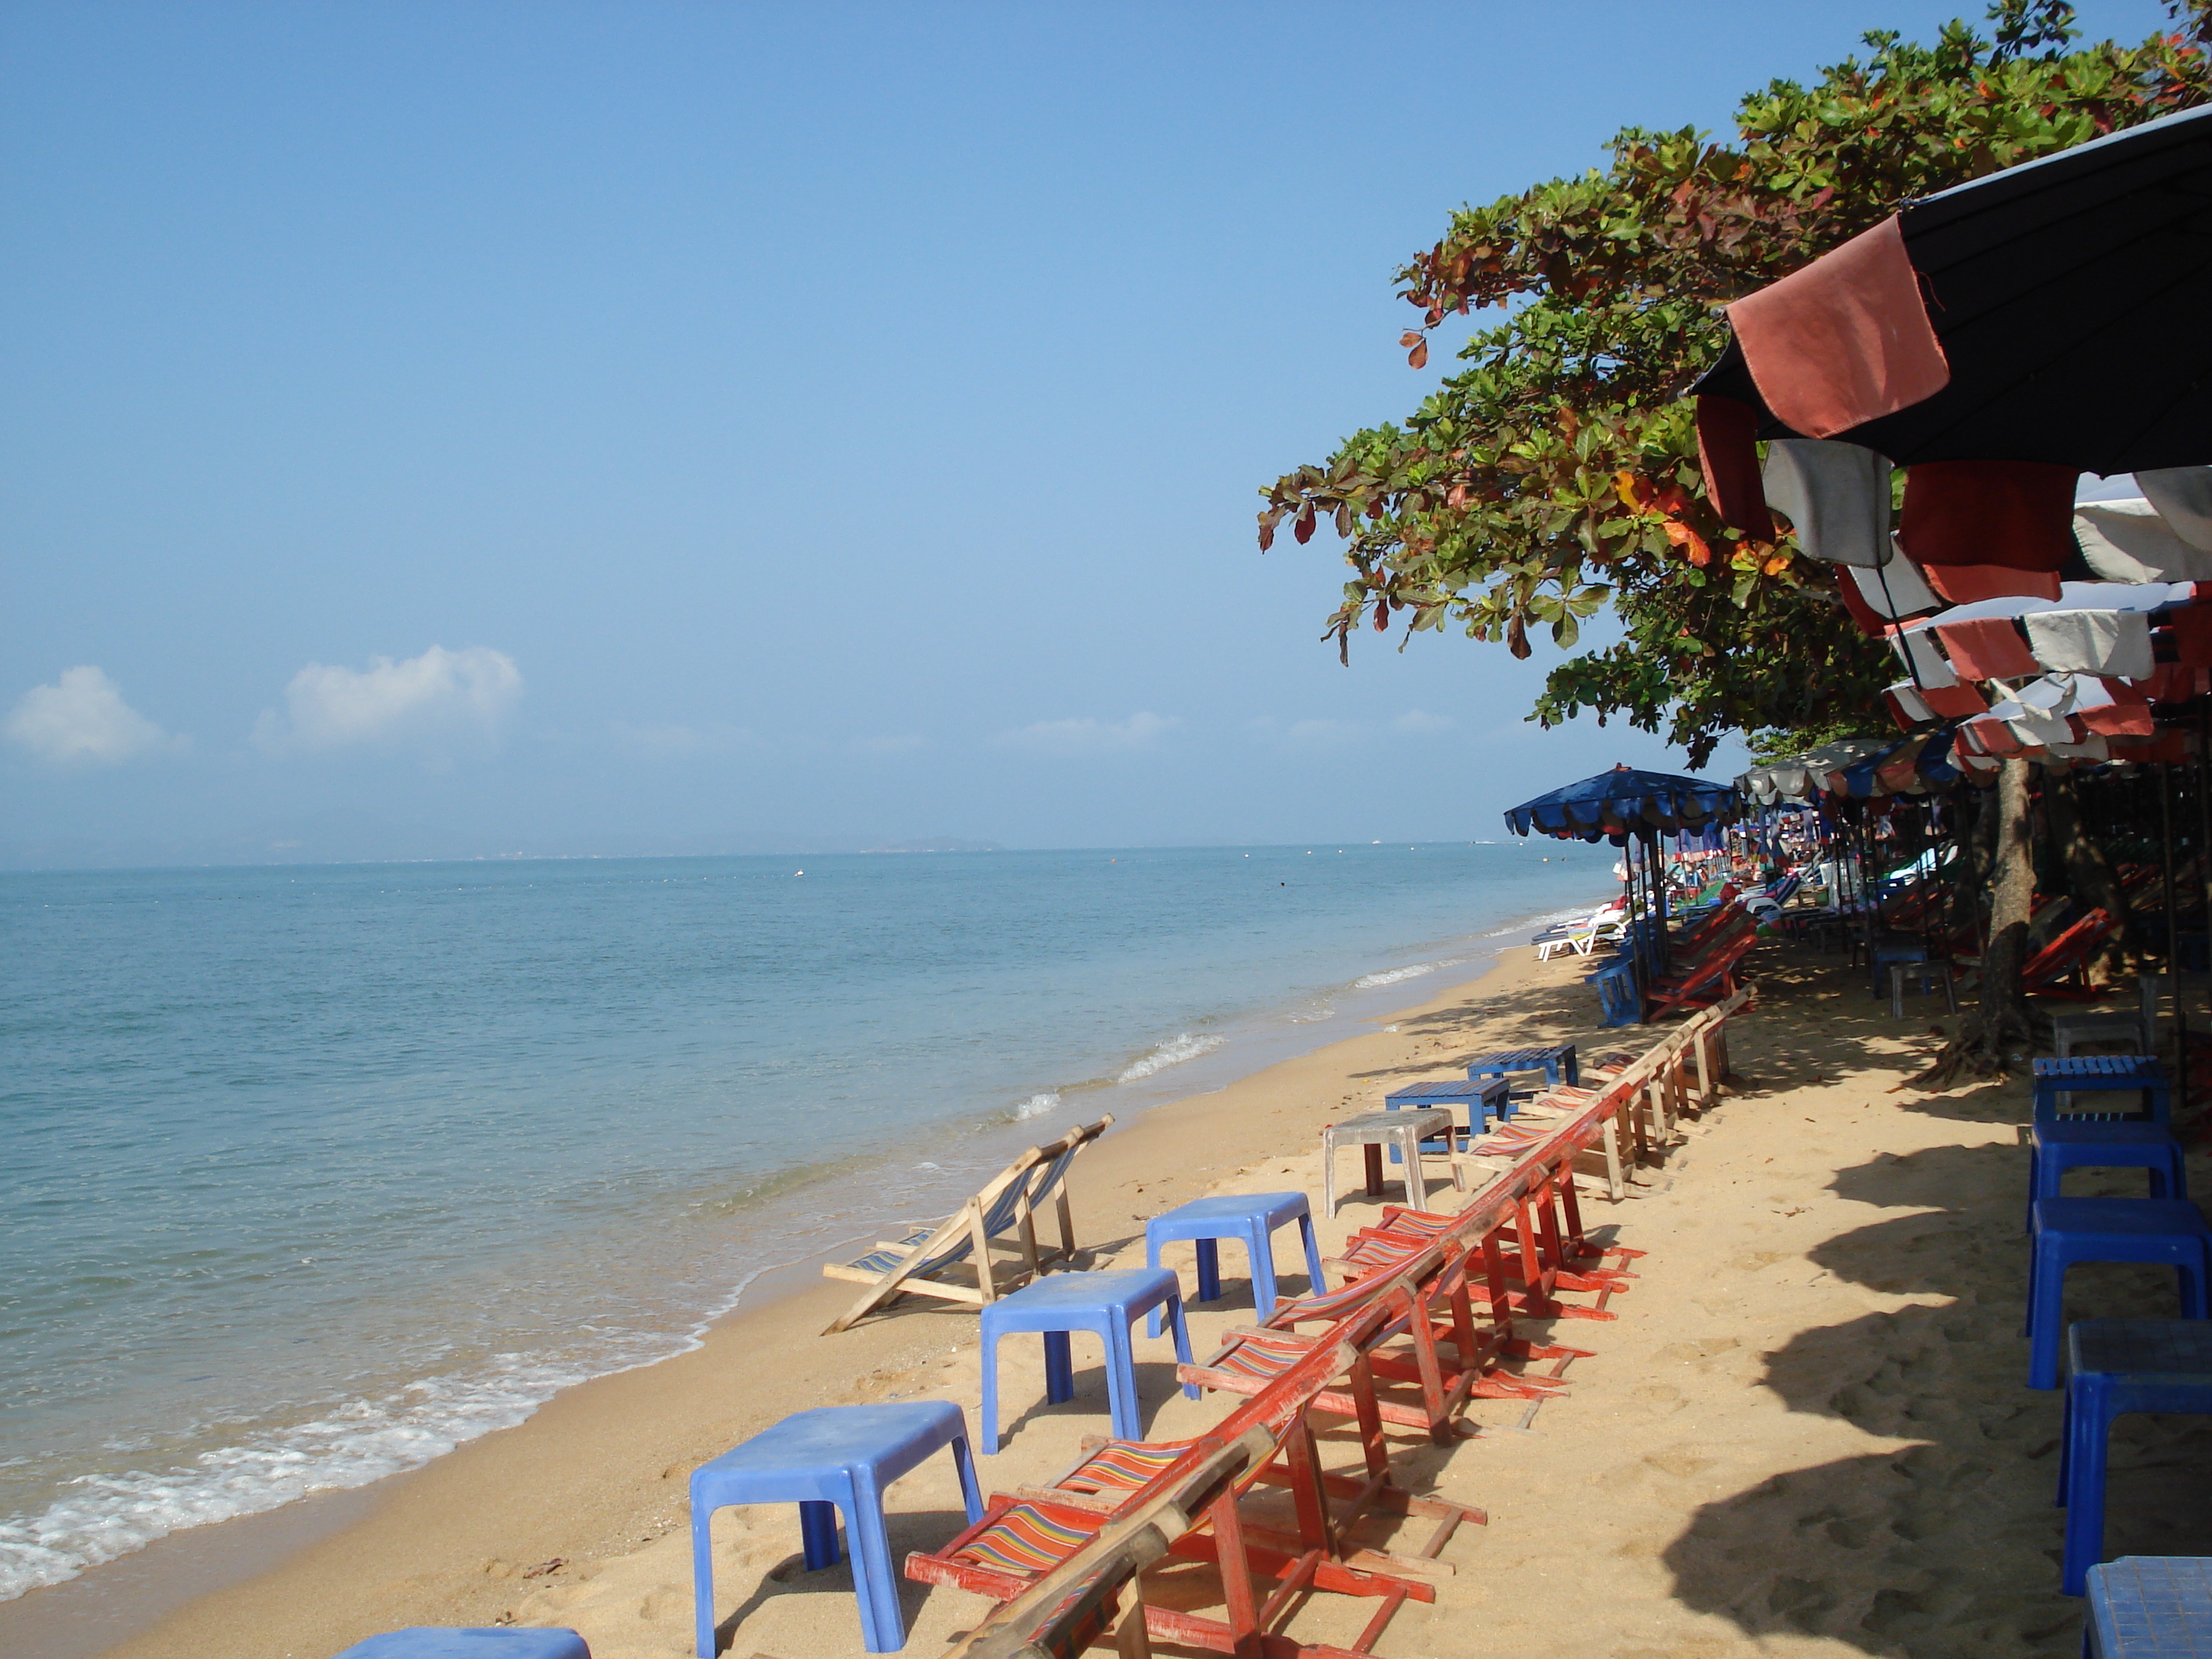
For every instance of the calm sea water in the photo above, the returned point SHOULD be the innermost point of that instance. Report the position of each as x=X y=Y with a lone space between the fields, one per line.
x=308 y=1174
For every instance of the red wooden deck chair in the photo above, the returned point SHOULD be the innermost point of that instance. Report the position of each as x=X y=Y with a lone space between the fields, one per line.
x=1024 y=1537
x=1715 y=981
x=2067 y=956
x=1412 y=1389
x=1401 y=1376
x=1480 y=1349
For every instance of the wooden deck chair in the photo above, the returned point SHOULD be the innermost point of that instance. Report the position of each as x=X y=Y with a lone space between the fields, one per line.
x=2067 y=956
x=1400 y=1376
x=1715 y=981
x=1024 y=1537
x=1006 y=1207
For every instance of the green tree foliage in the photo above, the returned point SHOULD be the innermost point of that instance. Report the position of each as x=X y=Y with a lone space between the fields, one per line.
x=1556 y=474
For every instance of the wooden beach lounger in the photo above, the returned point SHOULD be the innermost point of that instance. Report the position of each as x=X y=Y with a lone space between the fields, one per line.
x=915 y=1264
x=1024 y=1538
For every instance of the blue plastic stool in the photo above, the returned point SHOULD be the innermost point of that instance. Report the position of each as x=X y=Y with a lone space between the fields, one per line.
x=1251 y=1216
x=1620 y=999
x=1107 y=1304
x=2149 y=1606
x=2117 y=1366
x=2056 y=1146
x=487 y=1642
x=2057 y=1080
x=2065 y=1230
x=832 y=1458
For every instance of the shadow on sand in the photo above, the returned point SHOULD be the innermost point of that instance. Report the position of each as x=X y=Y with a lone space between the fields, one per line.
x=1946 y=1547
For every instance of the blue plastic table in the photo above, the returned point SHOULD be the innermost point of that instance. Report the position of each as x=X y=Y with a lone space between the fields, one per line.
x=1249 y=1217
x=832 y=1458
x=1557 y=1063
x=2057 y=1080
x=1484 y=1098
x=2058 y=1145
x=1107 y=1304
x=487 y=1642
x=2118 y=1366
x=2065 y=1230
x=2149 y=1606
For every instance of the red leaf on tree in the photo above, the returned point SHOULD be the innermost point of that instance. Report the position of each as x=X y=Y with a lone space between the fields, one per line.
x=1689 y=541
x=1303 y=527
x=1419 y=356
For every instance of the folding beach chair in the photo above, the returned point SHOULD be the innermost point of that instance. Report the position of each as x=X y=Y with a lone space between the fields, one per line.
x=2067 y=956
x=1025 y=1536
x=1400 y=1375
x=1712 y=980
x=915 y=1264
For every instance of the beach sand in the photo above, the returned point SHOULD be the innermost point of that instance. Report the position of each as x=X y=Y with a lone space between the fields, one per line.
x=1806 y=1431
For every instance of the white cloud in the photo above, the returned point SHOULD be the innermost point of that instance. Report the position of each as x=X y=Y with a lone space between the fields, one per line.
x=82 y=716
x=435 y=696
x=1423 y=724
x=1090 y=736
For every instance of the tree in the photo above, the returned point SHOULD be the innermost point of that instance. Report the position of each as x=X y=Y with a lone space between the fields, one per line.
x=1556 y=475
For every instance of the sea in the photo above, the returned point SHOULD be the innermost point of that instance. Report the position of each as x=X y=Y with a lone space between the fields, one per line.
x=308 y=1174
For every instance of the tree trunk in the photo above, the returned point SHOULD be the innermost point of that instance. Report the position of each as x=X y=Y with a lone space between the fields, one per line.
x=1999 y=1035
x=2086 y=867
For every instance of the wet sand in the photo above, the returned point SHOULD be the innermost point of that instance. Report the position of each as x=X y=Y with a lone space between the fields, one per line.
x=1806 y=1432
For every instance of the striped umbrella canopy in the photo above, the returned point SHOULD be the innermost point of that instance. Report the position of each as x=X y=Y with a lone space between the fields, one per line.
x=1624 y=801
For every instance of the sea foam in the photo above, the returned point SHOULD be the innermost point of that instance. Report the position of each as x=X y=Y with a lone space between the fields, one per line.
x=1393 y=976
x=1173 y=1051
x=351 y=1444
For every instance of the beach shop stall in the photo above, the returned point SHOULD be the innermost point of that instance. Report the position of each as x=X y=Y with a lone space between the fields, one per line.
x=1633 y=810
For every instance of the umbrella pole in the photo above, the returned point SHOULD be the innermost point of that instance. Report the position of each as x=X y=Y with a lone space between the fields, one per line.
x=2172 y=921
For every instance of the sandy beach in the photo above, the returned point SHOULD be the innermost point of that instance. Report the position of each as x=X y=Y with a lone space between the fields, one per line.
x=1806 y=1431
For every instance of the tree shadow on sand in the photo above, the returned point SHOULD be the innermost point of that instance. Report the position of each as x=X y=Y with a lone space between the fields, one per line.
x=1945 y=1548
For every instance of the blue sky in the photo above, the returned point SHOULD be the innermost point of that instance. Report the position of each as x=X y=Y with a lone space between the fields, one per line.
x=548 y=422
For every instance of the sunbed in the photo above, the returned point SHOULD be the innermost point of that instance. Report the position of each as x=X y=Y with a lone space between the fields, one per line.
x=1003 y=1213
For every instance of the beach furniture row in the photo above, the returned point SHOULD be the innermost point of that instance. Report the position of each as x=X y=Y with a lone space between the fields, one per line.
x=1424 y=1318
x=2115 y=1366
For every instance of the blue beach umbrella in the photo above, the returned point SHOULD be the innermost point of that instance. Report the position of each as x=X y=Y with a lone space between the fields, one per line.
x=1625 y=802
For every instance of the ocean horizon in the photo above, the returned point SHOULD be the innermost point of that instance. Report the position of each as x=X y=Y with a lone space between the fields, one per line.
x=314 y=1172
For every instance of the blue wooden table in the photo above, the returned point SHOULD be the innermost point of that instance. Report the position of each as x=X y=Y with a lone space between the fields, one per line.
x=1484 y=1098
x=1556 y=1062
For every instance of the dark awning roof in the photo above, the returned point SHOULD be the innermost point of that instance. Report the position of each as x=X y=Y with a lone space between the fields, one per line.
x=2070 y=299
